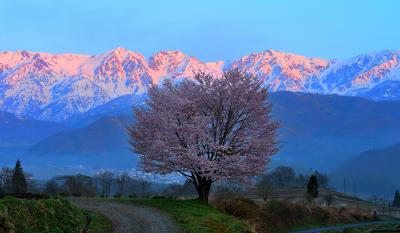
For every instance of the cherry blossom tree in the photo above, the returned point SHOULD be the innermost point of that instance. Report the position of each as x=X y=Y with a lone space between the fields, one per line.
x=206 y=128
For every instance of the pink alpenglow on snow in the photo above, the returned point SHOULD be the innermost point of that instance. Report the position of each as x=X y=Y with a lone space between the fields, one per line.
x=206 y=129
x=56 y=87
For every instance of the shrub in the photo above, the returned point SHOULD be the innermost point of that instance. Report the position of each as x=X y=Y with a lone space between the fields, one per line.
x=278 y=216
x=320 y=215
x=239 y=207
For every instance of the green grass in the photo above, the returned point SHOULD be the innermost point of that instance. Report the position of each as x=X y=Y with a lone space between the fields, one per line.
x=53 y=215
x=98 y=223
x=196 y=217
x=33 y=216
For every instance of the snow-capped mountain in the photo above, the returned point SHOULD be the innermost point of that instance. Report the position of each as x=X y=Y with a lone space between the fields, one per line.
x=284 y=71
x=58 y=86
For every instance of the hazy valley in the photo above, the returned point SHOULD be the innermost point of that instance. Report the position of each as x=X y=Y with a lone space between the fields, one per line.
x=318 y=132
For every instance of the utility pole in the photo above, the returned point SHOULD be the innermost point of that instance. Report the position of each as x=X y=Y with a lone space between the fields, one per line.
x=344 y=186
x=354 y=190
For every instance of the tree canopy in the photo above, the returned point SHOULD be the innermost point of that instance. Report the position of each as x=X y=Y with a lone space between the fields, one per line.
x=206 y=128
x=312 y=187
x=19 y=184
x=396 y=199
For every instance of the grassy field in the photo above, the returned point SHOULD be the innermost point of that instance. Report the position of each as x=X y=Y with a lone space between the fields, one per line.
x=98 y=223
x=51 y=215
x=196 y=217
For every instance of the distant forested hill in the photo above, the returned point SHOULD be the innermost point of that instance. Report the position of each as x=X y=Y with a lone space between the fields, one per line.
x=375 y=171
x=322 y=131
x=317 y=132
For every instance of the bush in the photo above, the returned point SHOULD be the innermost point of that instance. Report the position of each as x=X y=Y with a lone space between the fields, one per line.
x=239 y=207
x=320 y=215
x=278 y=216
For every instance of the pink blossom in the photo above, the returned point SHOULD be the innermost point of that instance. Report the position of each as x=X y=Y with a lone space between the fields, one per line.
x=206 y=129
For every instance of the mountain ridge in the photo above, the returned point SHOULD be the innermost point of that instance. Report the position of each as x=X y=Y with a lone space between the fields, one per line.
x=373 y=171
x=314 y=129
x=56 y=87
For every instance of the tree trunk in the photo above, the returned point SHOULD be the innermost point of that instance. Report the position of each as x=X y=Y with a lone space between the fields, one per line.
x=203 y=189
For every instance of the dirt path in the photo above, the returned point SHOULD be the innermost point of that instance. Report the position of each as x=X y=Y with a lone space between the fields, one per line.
x=129 y=218
x=342 y=227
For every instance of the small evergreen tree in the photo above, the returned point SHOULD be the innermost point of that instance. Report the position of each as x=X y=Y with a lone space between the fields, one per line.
x=18 y=179
x=312 y=187
x=396 y=199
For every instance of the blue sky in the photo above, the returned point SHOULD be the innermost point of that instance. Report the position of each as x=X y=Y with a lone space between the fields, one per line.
x=209 y=30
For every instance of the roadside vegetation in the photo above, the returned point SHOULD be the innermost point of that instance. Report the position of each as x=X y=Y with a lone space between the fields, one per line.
x=25 y=209
x=97 y=223
x=239 y=214
x=50 y=215
x=195 y=216
x=283 y=216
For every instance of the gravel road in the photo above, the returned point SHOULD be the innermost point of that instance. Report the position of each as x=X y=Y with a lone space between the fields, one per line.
x=129 y=218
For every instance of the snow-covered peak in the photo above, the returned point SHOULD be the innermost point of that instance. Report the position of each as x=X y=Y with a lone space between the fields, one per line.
x=266 y=60
x=57 y=86
x=121 y=54
x=282 y=71
x=360 y=73
x=11 y=59
x=175 y=64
